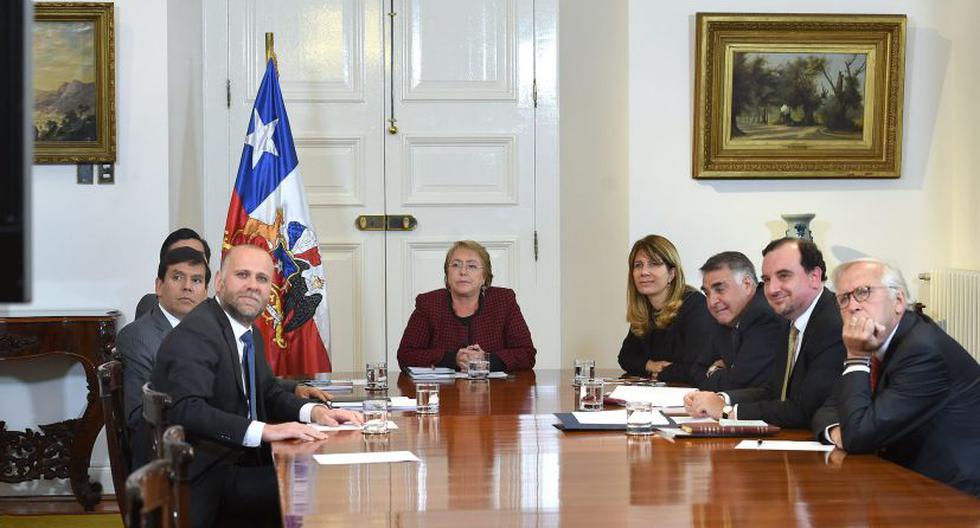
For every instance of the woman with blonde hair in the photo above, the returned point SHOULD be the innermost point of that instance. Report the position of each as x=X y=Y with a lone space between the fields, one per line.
x=669 y=320
x=467 y=317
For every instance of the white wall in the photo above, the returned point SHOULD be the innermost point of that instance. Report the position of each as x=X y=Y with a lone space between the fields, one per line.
x=908 y=220
x=966 y=136
x=185 y=80
x=96 y=246
x=593 y=74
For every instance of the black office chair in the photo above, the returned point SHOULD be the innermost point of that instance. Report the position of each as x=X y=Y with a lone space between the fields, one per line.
x=158 y=494
x=156 y=405
x=117 y=435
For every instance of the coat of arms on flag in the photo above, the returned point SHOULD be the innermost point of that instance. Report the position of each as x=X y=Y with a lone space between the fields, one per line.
x=268 y=209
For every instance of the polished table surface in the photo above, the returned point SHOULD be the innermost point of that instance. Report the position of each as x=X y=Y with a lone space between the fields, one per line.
x=493 y=458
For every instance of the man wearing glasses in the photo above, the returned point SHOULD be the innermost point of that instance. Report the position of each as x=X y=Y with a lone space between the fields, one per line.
x=909 y=392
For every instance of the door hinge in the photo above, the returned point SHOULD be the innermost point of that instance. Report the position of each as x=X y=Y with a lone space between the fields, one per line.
x=535 y=245
x=228 y=93
x=534 y=92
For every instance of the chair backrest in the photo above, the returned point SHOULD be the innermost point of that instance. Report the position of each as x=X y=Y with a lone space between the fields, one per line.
x=180 y=454
x=158 y=494
x=117 y=434
x=155 y=408
x=149 y=496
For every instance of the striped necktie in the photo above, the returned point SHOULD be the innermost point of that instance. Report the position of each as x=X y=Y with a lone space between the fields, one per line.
x=248 y=366
x=794 y=333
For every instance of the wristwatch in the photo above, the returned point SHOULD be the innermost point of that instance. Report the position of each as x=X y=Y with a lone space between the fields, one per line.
x=726 y=411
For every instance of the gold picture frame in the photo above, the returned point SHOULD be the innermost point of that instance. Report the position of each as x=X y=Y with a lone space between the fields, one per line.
x=798 y=96
x=74 y=112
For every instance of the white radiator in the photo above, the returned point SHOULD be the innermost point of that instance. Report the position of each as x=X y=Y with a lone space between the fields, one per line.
x=954 y=303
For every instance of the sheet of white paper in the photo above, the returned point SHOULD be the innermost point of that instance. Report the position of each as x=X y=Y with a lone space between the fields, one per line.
x=401 y=402
x=658 y=396
x=783 y=445
x=679 y=420
x=347 y=405
x=366 y=458
x=347 y=427
x=613 y=418
x=493 y=375
x=759 y=423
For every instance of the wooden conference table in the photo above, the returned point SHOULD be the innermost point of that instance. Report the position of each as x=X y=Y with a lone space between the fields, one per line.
x=493 y=458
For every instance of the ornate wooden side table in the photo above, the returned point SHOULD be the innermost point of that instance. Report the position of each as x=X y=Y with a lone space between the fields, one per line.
x=62 y=449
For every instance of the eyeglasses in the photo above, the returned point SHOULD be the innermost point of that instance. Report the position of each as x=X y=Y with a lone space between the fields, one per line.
x=470 y=266
x=860 y=294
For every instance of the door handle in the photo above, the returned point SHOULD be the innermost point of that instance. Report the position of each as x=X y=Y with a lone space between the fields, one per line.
x=386 y=222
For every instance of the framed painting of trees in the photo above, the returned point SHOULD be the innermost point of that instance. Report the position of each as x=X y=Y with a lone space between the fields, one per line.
x=798 y=96
x=74 y=112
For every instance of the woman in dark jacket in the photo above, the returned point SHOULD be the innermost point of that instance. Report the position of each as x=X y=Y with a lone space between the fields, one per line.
x=467 y=317
x=669 y=320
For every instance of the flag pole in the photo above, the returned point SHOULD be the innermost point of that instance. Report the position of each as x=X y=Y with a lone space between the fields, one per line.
x=270 y=51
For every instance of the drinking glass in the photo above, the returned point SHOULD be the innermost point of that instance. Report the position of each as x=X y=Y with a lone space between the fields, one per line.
x=375 y=417
x=590 y=395
x=427 y=398
x=639 y=418
x=584 y=369
x=377 y=376
x=478 y=366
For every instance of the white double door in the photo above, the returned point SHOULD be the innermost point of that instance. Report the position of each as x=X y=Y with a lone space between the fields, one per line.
x=457 y=77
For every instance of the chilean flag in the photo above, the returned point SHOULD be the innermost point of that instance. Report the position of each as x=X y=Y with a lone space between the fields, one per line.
x=268 y=209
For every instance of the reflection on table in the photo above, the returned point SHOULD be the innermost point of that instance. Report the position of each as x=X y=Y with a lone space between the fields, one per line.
x=493 y=457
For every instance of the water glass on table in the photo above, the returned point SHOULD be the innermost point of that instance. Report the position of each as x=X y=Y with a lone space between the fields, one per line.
x=376 y=375
x=478 y=365
x=427 y=398
x=590 y=395
x=639 y=418
x=584 y=369
x=375 y=417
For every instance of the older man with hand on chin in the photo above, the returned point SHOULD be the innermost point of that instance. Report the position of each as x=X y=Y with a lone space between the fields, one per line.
x=909 y=392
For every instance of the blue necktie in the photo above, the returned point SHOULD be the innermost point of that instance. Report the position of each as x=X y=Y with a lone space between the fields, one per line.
x=248 y=364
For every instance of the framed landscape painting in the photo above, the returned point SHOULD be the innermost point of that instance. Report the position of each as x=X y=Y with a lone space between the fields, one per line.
x=74 y=111
x=798 y=96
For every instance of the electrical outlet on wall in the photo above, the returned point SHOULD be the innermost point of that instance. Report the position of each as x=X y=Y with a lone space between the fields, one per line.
x=107 y=173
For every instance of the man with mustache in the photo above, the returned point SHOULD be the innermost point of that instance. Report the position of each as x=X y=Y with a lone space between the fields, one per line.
x=214 y=367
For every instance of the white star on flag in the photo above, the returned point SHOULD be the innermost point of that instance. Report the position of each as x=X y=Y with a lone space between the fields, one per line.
x=261 y=138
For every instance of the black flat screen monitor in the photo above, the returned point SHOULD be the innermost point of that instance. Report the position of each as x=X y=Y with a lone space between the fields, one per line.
x=16 y=20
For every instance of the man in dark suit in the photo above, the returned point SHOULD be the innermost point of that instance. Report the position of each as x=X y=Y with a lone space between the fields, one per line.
x=742 y=347
x=803 y=374
x=225 y=396
x=183 y=237
x=909 y=392
x=181 y=284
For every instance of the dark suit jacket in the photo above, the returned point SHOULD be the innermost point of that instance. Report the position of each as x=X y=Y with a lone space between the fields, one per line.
x=681 y=342
x=923 y=414
x=137 y=344
x=147 y=302
x=198 y=366
x=434 y=333
x=817 y=368
x=748 y=350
